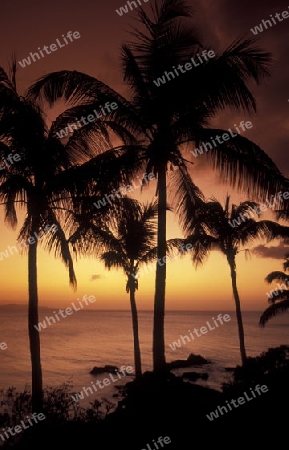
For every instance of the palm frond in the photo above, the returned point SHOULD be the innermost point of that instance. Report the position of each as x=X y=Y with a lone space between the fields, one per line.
x=57 y=242
x=12 y=71
x=25 y=231
x=172 y=9
x=273 y=230
x=116 y=260
x=132 y=73
x=71 y=86
x=13 y=190
x=171 y=246
x=280 y=294
x=188 y=200
x=222 y=80
x=5 y=81
x=273 y=310
x=202 y=244
x=286 y=263
x=277 y=276
x=247 y=207
x=244 y=165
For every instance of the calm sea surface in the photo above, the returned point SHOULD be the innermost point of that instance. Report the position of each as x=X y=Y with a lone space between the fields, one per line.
x=72 y=346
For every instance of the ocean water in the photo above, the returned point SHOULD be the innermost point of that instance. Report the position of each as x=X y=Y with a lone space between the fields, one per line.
x=87 y=338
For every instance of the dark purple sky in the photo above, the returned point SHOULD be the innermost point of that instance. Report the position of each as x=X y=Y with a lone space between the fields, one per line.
x=24 y=26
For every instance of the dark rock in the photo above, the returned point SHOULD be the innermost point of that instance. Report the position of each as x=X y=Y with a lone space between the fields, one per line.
x=193 y=360
x=197 y=360
x=194 y=376
x=106 y=369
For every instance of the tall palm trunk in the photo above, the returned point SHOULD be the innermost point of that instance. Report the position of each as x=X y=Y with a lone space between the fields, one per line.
x=34 y=338
x=159 y=360
x=231 y=261
x=137 y=354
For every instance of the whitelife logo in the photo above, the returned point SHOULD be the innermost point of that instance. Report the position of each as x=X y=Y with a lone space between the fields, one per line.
x=261 y=208
x=68 y=311
x=161 y=261
x=221 y=139
x=281 y=288
x=161 y=441
x=11 y=158
x=31 y=240
x=106 y=382
x=188 y=66
x=145 y=179
x=3 y=346
x=86 y=120
x=124 y=9
x=18 y=428
x=53 y=47
x=203 y=330
x=259 y=28
x=236 y=403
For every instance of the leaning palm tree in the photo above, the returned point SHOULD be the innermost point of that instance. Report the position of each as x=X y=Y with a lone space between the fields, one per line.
x=228 y=229
x=49 y=179
x=170 y=118
x=279 y=298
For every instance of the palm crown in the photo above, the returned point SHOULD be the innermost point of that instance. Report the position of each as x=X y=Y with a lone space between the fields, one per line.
x=123 y=236
x=279 y=298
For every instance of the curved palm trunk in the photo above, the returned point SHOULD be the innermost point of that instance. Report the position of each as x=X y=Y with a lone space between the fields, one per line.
x=232 y=264
x=137 y=354
x=34 y=338
x=159 y=360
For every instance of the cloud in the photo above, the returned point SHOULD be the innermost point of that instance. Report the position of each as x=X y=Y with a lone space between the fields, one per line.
x=271 y=252
x=95 y=277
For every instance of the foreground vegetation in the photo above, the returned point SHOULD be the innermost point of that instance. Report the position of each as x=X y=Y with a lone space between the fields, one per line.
x=164 y=405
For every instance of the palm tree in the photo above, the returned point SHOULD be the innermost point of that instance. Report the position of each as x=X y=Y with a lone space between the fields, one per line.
x=279 y=298
x=124 y=237
x=134 y=245
x=227 y=229
x=171 y=119
x=49 y=181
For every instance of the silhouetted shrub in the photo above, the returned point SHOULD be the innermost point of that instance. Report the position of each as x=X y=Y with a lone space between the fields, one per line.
x=269 y=367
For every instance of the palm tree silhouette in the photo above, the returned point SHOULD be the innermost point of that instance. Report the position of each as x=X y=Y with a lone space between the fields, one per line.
x=279 y=298
x=50 y=180
x=123 y=236
x=171 y=119
x=221 y=228
x=134 y=244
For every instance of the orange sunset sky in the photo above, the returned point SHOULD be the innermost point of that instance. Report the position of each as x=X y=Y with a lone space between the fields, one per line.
x=97 y=53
